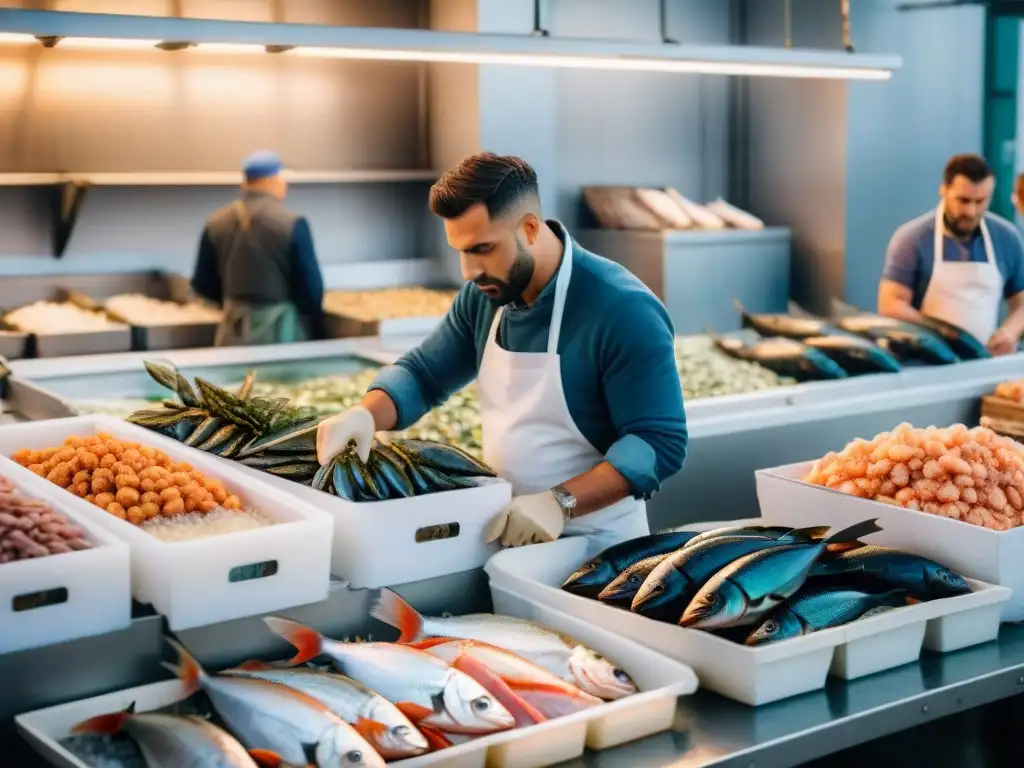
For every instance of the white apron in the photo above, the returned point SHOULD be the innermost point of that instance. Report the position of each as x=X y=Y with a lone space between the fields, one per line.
x=964 y=293
x=529 y=436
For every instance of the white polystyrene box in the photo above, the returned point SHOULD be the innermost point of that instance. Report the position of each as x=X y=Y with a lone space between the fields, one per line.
x=97 y=581
x=376 y=543
x=188 y=581
x=661 y=682
x=752 y=676
x=996 y=557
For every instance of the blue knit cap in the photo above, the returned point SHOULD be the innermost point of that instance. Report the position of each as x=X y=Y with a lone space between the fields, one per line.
x=261 y=164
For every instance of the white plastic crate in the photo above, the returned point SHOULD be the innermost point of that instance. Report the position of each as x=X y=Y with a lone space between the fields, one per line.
x=383 y=543
x=189 y=581
x=996 y=557
x=96 y=582
x=652 y=710
x=752 y=676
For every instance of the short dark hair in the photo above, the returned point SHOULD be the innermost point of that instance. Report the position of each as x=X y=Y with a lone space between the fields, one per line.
x=971 y=166
x=497 y=181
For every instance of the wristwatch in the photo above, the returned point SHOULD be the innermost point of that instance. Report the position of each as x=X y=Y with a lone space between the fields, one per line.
x=566 y=501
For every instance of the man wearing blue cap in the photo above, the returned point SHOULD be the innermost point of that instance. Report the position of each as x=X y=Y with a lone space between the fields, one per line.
x=256 y=258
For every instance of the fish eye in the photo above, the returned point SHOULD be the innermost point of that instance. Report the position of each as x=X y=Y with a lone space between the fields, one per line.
x=400 y=730
x=621 y=676
x=355 y=756
x=711 y=599
x=658 y=588
x=481 y=705
x=634 y=579
x=770 y=627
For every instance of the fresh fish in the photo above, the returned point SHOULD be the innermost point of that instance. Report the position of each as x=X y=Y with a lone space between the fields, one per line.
x=426 y=689
x=965 y=345
x=623 y=588
x=786 y=326
x=545 y=694
x=855 y=354
x=343 y=482
x=813 y=609
x=379 y=721
x=366 y=487
x=783 y=356
x=443 y=457
x=390 y=473
x=922 y=578
x=279 y=719
x=905 y=340
x=172 y=741
x=564 y=657
x=761 y=531
x=751 y=586
x=268 y=759
x=593 y=576
x=669 y=588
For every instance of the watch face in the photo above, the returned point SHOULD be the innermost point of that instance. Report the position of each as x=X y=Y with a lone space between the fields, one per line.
x=564 y=498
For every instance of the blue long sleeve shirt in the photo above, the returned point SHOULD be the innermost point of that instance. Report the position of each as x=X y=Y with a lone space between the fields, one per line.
x=617 y=358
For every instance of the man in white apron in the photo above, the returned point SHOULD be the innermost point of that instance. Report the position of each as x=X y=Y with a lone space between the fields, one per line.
x=958 y=262
x=573 y=358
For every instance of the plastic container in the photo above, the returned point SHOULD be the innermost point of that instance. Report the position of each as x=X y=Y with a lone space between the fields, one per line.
x=752 y=676
x=67 y=596
x=199 y=582
x=661 y=682
x=383 y=543
x=996 y=557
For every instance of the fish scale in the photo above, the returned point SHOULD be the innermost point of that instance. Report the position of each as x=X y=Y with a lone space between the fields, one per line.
x=169 y=741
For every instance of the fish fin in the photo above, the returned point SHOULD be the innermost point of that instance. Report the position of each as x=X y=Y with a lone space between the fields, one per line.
x=308 y=642
x=845 y=546
x=369 y=729
x=253 y=664
x=841 y=309
x=430 y=642
x=188 y=669
x=854 y=532
x=815 y=531
x=558 y=704
x=437 y=700
x=107 y=724
x=413 y=711
x=738 y=306
x=266 y=757
x=392 y=609
x=309 y=750
x=796 y=310
x=435 y=739
x=524 y=713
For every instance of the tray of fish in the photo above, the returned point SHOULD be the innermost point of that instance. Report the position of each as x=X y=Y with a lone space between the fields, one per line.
x=208 y=543
x=62 y=577
x=761 y=613
x=525 y=688
x=955 y=495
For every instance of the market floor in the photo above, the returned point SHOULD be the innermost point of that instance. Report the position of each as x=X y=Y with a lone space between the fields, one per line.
x=979 y=738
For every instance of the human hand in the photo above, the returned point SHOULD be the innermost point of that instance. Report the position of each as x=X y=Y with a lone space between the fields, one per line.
x=1003 y=342
x=529 y=519
x=334 y=434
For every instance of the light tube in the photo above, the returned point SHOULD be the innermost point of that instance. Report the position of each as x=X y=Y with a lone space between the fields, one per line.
x=229 y=48
x=16 y=38
x=106 y=43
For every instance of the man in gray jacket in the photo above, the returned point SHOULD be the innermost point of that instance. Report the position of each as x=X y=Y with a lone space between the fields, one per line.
x=256 y=259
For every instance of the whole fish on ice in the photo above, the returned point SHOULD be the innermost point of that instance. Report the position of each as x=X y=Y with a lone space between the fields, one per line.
x=379 y=721
x=596 y=574
x=426 y=689
x=278 y=719
x=753 y=585
x=563 y=656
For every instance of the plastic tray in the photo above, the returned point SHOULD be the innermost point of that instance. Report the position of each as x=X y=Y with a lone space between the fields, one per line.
x=383 y=543
x=91 y=588
x=653 y=710
x=996 y=557
x=189 y=581
x=755 y=676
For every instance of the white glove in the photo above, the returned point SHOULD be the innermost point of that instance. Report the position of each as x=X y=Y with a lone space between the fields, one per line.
x=527 y=520
x=334 y=434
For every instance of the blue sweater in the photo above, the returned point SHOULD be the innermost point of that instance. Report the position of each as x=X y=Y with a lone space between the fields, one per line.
x=617 y=359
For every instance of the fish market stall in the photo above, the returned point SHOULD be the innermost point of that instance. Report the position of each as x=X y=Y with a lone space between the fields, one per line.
x=386 y=312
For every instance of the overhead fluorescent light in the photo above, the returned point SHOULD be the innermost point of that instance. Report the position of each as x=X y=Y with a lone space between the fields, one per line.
x=16 y=38
x=107 y=43
x=425 y=45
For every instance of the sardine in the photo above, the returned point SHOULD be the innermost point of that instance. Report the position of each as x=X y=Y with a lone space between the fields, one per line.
x=172 y=741
x=753 y=585
x=563 y=656
x=669 y=588
x=593 y=576
x=379 y=721
x=623 y=588
x=783 y=356
x=813 y=609
x=923 y=579
x=544 y=693
x=443 y=457
x=761 y=531
x=426 y=689
x=279 y=719
x=784 y=325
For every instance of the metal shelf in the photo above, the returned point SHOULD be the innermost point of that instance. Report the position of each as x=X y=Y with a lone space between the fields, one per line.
x=206 y=178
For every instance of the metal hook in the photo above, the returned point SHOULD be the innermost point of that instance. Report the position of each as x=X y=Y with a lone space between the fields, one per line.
x=844 y=10
x=663 y=21
x=538 y=26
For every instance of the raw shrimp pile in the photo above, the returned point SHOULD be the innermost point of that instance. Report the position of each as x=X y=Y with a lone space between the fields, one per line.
x=1011 y=390
x=971 y=475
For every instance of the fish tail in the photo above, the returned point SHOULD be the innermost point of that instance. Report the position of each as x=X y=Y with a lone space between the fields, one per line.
x=525 y=714
x=253 y=664
x=854 y=532
x=814 y=532
x=108 y=724
x=435 y=739
x=307 y=641
x=188 y=669
x=392 y=609
x=266 y=758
